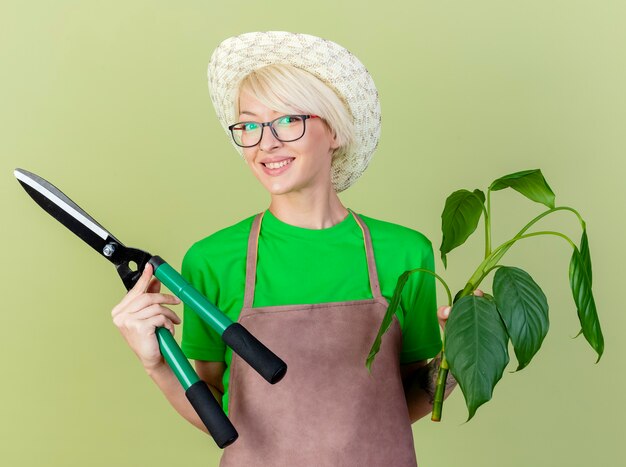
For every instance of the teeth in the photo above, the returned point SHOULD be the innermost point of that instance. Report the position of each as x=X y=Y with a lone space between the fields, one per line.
x=277 y=165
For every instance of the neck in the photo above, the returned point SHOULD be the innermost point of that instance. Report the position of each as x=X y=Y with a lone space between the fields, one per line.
x=310 y=210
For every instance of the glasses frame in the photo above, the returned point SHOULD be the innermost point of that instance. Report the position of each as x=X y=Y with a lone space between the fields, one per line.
x=270 y=124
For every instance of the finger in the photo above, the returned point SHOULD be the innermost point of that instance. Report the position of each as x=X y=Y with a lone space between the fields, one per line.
x=139 y=287
x=444 y=312
x=161 y=321
x=135 y=291
x=147 y=299
x=478 y=293
x=142 y=284
x=154 y=286
x=154 y=310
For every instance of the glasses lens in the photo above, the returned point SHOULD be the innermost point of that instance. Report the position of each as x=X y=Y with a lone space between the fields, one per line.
x=289 y=127
x=247 y=133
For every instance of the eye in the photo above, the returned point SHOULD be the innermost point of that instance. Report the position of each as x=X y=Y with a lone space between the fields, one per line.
x=246 y=126
x=249 y=126
x=288 y=120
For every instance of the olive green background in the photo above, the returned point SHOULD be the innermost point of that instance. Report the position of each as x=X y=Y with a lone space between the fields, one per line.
x=108 y=101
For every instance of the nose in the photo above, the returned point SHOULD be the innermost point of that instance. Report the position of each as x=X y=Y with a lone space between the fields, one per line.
x=268 y=140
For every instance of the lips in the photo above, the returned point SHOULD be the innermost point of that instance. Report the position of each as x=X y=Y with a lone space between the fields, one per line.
x=277 y=166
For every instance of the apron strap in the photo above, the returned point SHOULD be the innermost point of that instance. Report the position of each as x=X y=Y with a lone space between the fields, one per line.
x=369 y=251
x=253 y=245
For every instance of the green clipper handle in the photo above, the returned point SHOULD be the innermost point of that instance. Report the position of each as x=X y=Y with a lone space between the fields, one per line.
x=259 y=357
x=197 y=391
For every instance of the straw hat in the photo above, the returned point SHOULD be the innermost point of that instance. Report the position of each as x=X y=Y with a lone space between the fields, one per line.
x=237 y=56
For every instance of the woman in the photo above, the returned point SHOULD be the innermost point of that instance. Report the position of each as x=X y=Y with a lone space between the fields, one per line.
x=307 y=276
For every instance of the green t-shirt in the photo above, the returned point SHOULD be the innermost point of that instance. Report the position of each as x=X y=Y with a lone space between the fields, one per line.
x=296 y=265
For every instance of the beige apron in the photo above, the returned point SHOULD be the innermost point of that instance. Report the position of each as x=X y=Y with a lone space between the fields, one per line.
x=328 y=410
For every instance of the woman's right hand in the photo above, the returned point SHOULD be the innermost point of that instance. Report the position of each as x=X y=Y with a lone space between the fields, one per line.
x=138 y=315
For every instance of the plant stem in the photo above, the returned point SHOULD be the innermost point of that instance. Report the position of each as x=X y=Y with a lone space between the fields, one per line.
x=488 y=225
x=549 y=211
x=492 y=268
x=440 y=388
x=443 y=367
x=549 y=232
x=498 y=252
x=489 y=263
x=432 y=273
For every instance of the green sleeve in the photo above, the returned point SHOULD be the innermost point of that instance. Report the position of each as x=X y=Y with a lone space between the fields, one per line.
x=421 y=338
x=199 y=341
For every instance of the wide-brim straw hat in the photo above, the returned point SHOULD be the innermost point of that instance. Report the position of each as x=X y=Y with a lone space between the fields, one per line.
x=237 y=56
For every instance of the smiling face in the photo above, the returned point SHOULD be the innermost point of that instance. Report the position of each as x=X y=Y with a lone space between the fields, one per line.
x=281 y=89
x=297 y=166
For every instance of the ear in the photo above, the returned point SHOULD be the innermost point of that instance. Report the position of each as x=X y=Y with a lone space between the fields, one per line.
x=333 y=142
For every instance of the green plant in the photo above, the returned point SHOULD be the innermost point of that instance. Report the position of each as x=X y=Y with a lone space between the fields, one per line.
x=477 y=333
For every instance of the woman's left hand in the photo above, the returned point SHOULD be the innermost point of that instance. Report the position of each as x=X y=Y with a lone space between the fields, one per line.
x=443 y=312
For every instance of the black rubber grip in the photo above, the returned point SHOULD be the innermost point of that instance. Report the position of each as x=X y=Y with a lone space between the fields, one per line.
x=248 y=347
x=211 y=414
x=156 y=261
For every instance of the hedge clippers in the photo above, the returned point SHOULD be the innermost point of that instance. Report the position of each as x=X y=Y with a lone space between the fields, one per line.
x=263 y=360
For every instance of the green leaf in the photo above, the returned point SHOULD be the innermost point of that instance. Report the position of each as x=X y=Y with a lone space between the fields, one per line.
x=524 y=310
x=459 y=219
x=476 y=348
x=580 y=282
x=530 y=183
x=387 y=319
x=585 y=255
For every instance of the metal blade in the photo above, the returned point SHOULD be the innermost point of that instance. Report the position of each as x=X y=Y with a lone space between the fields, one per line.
x=63 y=209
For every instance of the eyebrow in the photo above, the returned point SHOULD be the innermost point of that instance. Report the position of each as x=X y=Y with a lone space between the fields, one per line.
x=246 y=112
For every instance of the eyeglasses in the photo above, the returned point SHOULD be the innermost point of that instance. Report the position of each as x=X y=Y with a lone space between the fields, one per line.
x=286 y=129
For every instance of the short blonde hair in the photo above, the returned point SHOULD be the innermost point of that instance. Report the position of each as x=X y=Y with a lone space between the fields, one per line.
x=286 y=88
